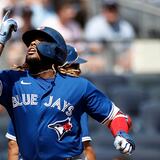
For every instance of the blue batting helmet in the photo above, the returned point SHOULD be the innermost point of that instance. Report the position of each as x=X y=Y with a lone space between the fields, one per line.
x=54 y=47
x=73 y=57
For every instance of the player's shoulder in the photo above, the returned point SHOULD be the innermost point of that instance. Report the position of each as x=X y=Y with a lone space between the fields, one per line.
x=12 y=73
x=16 y=72
x=65 y=76
x=72 y=79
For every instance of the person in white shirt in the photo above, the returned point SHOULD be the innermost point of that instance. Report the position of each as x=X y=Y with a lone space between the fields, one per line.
x=109 y=27
x=64 y=21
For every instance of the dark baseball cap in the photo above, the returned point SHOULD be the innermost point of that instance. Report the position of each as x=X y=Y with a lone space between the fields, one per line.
x=50 y=34
x=56 y=50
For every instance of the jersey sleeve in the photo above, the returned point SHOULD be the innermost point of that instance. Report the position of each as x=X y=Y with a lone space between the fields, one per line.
x=99 y=106
x=84 y=128
x=10 y=132
x=5 y=87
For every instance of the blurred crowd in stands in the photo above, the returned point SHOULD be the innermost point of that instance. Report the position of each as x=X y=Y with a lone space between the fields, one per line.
x=104 y=39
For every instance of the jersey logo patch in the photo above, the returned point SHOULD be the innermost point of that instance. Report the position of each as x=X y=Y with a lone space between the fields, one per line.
x=25 y=83
x=61 y=127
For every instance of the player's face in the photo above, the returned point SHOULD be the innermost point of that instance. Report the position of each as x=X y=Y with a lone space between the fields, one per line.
x=33 y=56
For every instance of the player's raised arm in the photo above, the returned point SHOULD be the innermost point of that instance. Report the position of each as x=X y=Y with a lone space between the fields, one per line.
x=7 y=26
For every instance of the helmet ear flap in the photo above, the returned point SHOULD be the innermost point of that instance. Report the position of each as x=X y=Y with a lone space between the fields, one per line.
x=52 y=51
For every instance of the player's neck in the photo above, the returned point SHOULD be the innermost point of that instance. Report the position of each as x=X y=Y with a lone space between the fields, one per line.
x=42 y=71
x=49 y=73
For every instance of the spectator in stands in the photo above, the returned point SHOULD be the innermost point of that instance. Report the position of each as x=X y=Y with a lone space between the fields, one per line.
x=110 y=27
x=26 y=13
x=42 y=9
x=64 y=21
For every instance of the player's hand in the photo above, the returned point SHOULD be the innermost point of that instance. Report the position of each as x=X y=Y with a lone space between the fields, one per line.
x=7 y=26
x=124 y=143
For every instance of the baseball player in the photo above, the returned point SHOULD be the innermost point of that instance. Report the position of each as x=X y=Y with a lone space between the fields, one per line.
x=72 y=68
x=46 y=106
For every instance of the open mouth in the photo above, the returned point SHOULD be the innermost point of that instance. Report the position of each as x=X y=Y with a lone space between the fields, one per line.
x=32 y=50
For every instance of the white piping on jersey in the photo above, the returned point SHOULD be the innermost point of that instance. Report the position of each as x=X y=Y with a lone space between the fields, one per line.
x=121 y=115
x=87 y=138
x=112 y=114
x=9 y=136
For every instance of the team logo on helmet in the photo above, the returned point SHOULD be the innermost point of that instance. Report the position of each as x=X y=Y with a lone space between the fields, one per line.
x=61 y=127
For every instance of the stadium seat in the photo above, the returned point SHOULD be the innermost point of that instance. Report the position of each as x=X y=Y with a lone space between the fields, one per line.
x=154 y=92
x=149 y=116
x=4 y=119
x=145 y=154
x=128 y=98
x=105 y=82
x=147 y=141
x=3 y=155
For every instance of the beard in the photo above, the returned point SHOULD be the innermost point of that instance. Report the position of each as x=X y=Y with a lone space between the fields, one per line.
x=35 y=63
x=32 y=61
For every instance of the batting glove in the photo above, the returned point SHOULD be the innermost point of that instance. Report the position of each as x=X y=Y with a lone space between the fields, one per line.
x=8 y=25
x=124 y=143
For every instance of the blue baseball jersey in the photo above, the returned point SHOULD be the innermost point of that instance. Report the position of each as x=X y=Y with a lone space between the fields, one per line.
x=84 y=129
x=10 y=132
x=46 y=113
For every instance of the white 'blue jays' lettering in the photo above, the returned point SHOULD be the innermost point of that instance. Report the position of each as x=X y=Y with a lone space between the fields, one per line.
x=57 y=103
x=32 y=99
x=50 y=102
x=25 y=99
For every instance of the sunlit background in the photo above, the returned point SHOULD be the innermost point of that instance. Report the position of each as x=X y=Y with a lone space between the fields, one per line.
x=121 y=41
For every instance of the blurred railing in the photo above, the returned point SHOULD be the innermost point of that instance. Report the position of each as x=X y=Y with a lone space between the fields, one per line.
x=144 y=15
x=119 y=57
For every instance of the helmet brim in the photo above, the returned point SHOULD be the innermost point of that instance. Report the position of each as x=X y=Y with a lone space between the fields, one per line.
x=80 y=60
x=31 y=35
